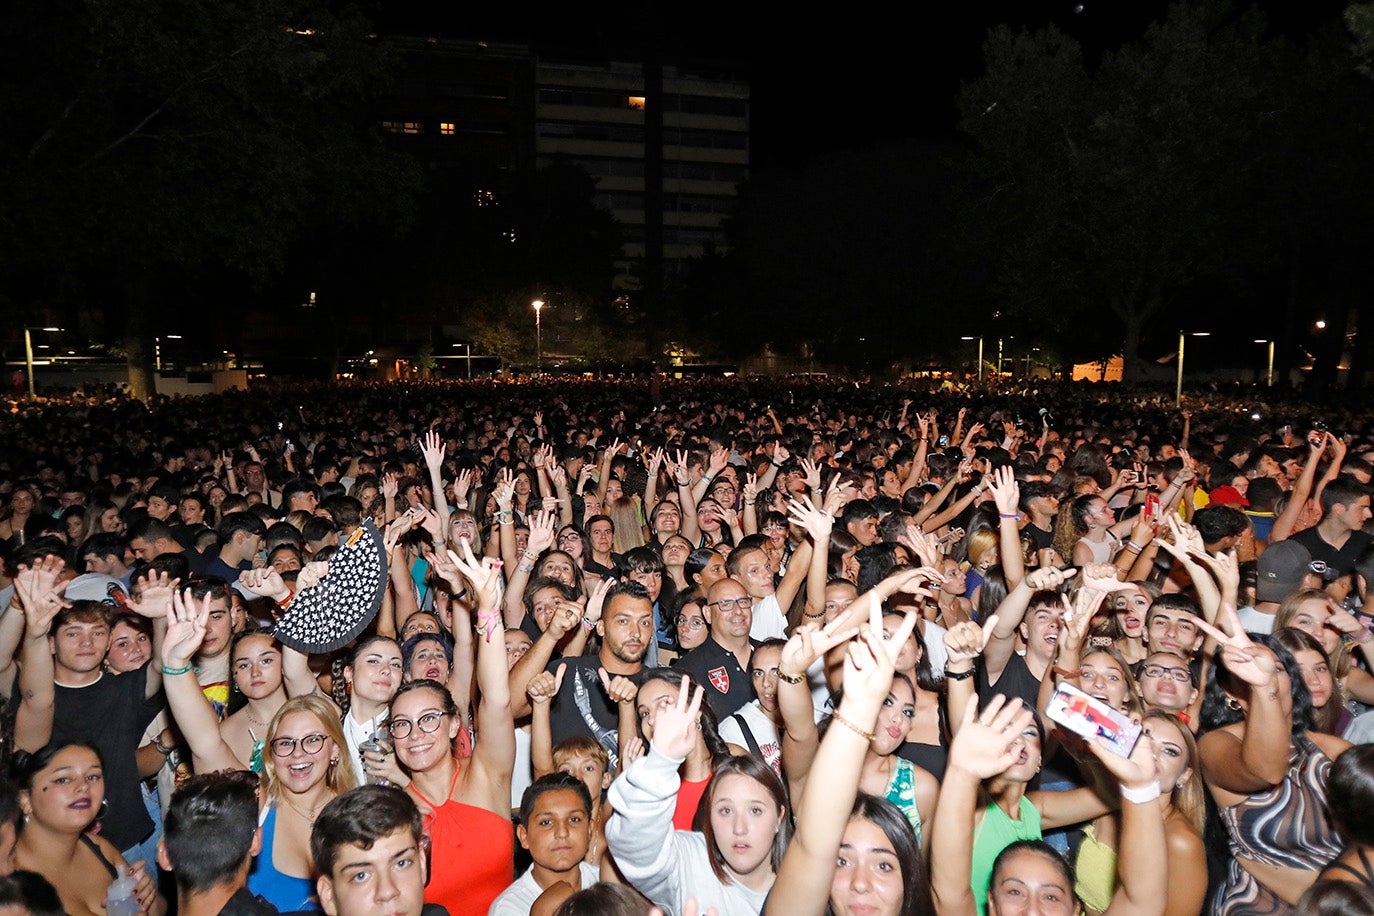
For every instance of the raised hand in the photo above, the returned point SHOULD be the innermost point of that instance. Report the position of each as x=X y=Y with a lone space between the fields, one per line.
x=1138 y=771
x=868 y=664
x=812 y=470
x=544 y=686
x=462 y=484
x=634 y=749
x=719 y=459
x=1255 y=665
x=780 y=454
x=432 y=448
x=809 y=642
x=966 y=640
x=265 y=582
x=817 y=524
x=430 y=521
x=597 y=599
x=751 y=488
x=620 y=689
x=186 y=626
x=311 y=574
x=443 y=565
x=1101 y=577
x=154 y=596
x=391 y=485
x=676 y=726
x=1047 y=577
x=989 y=742
x=485 y=581
x=1006 y=492
x=400 y=526
x=543 y=530
x=39 y=589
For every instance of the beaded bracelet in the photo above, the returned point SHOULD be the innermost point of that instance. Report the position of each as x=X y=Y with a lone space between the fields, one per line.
x=867 y=736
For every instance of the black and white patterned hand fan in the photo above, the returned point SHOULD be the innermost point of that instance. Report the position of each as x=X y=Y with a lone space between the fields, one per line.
x=335 y=611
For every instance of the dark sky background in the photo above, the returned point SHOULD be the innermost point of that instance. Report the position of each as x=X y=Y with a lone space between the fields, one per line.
x=851 y=77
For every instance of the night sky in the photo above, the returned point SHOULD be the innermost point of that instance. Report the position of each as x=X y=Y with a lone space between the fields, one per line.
x=856 y=76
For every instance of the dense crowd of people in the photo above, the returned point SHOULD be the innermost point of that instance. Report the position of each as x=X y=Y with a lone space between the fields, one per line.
x=716 y=646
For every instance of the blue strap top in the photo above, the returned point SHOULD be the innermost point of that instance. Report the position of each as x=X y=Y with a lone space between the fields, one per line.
x=286 y=893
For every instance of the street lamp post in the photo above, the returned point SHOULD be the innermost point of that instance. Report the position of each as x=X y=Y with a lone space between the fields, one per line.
x=157 y=350
x=28 y=354
x=979 y=338
x=538 y=335
x=1269 y=373
x=1178 y=385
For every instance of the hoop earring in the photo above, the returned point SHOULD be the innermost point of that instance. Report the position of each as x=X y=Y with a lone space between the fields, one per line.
x=1233 y=704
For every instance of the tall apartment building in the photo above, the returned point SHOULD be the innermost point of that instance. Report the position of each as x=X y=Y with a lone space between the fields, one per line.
x=488 y=110
x=593 y=114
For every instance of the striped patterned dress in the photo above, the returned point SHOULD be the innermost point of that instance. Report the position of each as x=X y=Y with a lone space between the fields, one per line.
x=1288 y=826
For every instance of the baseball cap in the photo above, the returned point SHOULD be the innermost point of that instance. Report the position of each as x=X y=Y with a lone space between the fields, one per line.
x=1282 y=568
x=1227 y=496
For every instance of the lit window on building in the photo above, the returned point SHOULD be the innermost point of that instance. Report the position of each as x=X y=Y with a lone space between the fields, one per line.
x=447 y=128
x=391 y=127
x=637 y=101
x=402 y=127
x=485 y=198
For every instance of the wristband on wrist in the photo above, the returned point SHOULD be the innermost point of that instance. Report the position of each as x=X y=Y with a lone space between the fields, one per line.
x=172 y=672
x=866 y=735
x=959 y=675
x=1365 y=638
x=790 y=678
x=589 y=624
x=283 y=602
x=1141 y=796
x=1008 y=514
x=1068 y=672
x=1132 y=545
x=460 y=504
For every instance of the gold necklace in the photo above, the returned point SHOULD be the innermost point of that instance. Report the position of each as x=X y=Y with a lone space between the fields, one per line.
x=310 y=815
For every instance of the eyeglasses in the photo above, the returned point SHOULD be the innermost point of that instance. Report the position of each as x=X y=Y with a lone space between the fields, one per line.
x=285 y=747
x=1182 y=675
x=569 y=536
x=428 y=724
x=774 y=526
x=691 y=623
x=728 y=604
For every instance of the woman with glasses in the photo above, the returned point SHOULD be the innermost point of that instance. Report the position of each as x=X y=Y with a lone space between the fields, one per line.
x=689 y=619
x=1166 y=682
x=303 y=772
x=465 y=802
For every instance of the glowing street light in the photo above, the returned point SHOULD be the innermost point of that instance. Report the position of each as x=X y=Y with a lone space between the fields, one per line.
x=538 y=335
x=979 y=338
x=1178 y=387
x=1269 y=375
x=28 y=353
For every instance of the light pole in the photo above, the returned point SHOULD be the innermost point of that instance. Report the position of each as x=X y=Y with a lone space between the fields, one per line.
x=1269 y=373
x=1178 y=385
x=157 y=350
x=979 y=338
x=538 y=336
x=28 y=354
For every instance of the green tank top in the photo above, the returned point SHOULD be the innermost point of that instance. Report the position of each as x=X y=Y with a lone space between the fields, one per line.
x=994 y=834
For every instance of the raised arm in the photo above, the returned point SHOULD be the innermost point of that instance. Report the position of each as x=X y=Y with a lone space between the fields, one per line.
x=1012 y=611
x=541 y=691
x=1143 y=860
x=493 y=754
x=1006 y=493
x=1302 y=490
x=808 y=869
x=1257 y=759
x=39 y=590
x=432 y=448
x=799 y=737
x=984 y=745
x=195 y=717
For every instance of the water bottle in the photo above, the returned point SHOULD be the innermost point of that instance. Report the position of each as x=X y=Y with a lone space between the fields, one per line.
x=120 y=899
x=377 y=744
